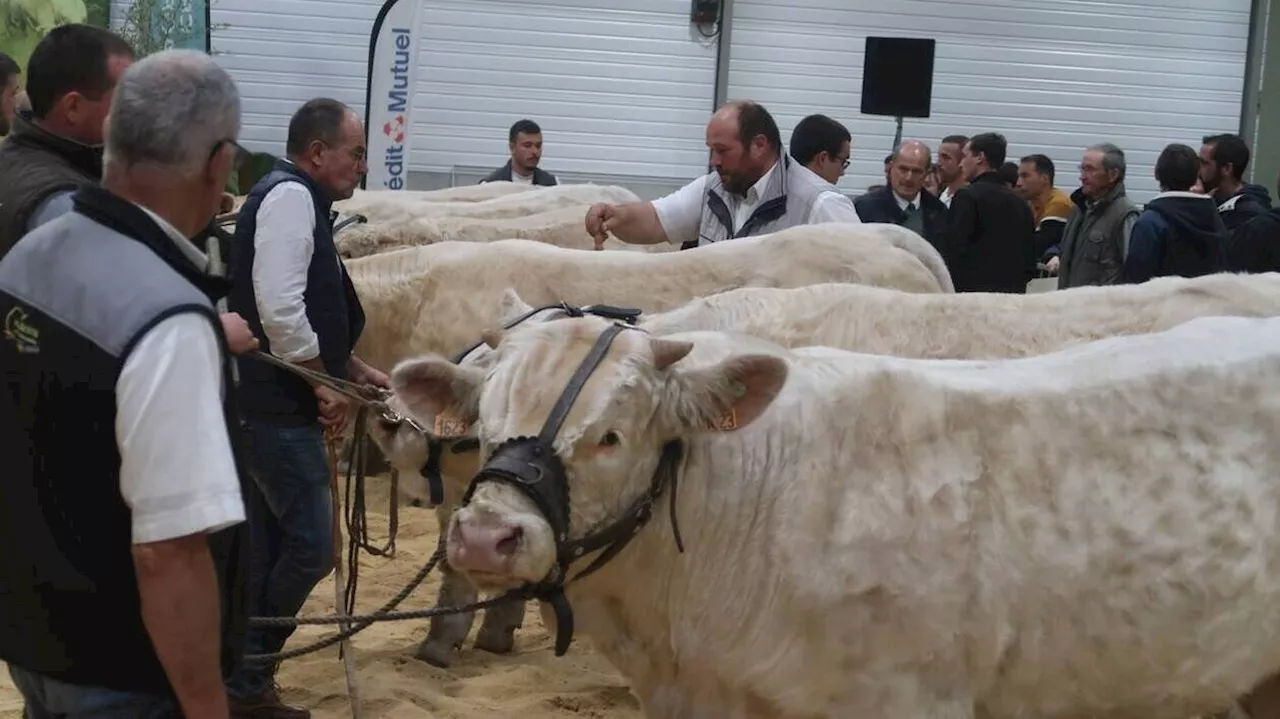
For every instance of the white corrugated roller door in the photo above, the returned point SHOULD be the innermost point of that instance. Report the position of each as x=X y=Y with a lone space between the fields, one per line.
x=619 y=88
x=1052 y=75
x=285 y=52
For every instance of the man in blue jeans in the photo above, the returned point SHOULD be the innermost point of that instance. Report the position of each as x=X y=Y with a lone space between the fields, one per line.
x=290 y=286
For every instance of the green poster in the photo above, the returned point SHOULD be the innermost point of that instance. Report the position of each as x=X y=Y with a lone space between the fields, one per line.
x=148 y=25
x=24 y=22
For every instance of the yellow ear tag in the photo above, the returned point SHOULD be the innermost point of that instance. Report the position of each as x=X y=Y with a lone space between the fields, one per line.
x=447 y=427
x=728 y=421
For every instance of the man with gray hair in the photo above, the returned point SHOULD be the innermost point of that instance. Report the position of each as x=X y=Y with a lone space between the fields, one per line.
x=904 y=201
x=122 y=542
x=291 y=287
x=1096 y=239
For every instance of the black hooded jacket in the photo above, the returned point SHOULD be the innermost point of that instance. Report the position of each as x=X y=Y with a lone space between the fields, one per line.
x=1178 y=234
x=1250 y=202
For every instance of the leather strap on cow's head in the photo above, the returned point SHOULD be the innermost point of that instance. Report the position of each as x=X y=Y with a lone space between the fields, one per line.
x=531 y=465
x=430 y=470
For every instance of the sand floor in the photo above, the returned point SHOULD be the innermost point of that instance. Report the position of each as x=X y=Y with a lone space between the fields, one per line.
x=531 y=683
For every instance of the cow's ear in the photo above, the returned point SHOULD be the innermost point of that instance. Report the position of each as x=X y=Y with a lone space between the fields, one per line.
x=440 y=395
x=511 y=306
x=726 y=396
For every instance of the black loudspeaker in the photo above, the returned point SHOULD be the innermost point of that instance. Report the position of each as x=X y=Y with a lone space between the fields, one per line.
x=897 y=76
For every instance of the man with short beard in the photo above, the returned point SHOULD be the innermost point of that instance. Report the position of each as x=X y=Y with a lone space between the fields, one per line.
x=754 y=188
x=1223 y=160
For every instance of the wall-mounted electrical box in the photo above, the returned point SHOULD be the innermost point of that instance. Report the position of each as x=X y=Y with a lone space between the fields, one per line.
x=704 y=12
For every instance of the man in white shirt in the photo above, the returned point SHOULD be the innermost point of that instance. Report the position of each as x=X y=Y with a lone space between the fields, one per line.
x=291 y=287
x=122 y=539
x=754 y=188
x=951 y=177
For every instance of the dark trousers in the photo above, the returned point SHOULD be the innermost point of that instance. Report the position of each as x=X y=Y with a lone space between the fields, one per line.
x=48 y=698
x=291 y=535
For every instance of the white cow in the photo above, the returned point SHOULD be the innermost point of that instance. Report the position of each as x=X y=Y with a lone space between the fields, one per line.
x=1093 y=532
x=438 y=298
x=851 y=317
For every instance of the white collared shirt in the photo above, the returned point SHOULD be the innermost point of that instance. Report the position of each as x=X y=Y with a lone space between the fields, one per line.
x=177 y=473
x=283 y=244
x=680 y=212
x=902 y=204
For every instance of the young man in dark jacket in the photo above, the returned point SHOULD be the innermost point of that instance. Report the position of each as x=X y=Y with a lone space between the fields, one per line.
x=1255 y=246
x=1224 y=159
x=990 y=240
x=1179 y=233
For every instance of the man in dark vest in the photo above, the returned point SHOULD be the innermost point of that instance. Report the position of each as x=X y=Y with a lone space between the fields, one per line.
x=289 y=284
x=990 y=240
x=905 y=201
x=122 y=543
x=754 y=188
x=524 y=141
x=57 y=147
x=1096 y=238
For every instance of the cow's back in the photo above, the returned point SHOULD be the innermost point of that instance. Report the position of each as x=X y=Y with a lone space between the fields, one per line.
x=1093 y=530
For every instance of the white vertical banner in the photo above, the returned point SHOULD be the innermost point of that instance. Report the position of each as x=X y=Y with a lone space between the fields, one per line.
x=393 y=71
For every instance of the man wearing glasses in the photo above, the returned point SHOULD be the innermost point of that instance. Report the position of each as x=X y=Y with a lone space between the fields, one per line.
x=291 y=287
x=822 y=145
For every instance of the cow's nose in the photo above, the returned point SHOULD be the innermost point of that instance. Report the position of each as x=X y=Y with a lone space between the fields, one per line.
x=483 y=544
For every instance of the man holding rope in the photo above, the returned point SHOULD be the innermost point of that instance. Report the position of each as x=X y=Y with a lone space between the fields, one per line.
x=122 y=541
x=289 y=284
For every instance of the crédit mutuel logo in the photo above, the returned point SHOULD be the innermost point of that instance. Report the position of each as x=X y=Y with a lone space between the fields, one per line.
x=398 y=98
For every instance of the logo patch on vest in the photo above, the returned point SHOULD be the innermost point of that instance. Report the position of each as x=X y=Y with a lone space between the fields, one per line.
x=18 y=330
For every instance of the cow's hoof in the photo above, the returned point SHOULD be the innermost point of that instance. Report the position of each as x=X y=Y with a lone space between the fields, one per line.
x=436 y=653
x=496 y=642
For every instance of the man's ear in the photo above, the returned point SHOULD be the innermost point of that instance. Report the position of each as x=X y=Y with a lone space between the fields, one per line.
x=726 y=396
x=439 y=394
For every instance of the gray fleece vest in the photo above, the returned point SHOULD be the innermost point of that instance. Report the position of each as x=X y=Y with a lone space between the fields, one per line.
x=785 y=201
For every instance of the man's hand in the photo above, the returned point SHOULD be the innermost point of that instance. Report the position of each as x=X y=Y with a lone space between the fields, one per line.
x=239 y=337
x=333 y=410
x=599 y=221
x=1052 y=265
x=364 y=373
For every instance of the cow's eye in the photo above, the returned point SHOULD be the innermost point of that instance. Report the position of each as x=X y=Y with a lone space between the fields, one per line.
x=610 y=439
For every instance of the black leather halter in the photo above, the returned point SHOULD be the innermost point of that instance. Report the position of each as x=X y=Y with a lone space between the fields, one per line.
x=430 y=469
x=532 y=465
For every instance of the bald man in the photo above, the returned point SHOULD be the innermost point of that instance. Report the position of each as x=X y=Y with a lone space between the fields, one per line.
x=754 y=188
x=904 y=201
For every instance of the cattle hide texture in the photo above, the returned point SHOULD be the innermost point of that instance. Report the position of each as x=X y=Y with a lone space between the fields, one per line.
x=1091 y=532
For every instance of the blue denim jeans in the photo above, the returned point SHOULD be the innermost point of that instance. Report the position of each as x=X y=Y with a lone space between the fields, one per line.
x=291 y=535
x=48 y=698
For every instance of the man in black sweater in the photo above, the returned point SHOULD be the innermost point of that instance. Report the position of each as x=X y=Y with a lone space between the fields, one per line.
x=990 y=240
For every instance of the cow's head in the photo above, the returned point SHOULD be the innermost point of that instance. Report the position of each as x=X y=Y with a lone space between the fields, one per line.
x=450 y=428
x=638 y=398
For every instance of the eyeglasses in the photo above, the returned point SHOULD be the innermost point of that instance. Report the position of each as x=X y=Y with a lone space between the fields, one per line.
x=242 y=155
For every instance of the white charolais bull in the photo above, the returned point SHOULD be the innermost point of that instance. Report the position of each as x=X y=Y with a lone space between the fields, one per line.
x=438 y=298
x=1093 y=532
x=851 y=317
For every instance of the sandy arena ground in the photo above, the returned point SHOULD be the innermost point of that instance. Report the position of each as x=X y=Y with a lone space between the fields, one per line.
x=531 y=683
